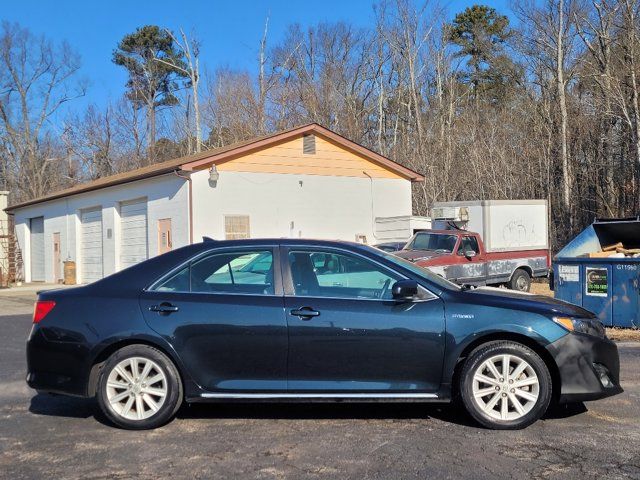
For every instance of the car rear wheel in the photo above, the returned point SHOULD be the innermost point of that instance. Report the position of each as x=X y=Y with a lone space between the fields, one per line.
x=139 y=388
x=521 y=281
x=505 y=385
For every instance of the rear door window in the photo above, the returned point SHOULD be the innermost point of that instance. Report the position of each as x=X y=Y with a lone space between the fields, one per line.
x=178 y=282
x=239 y=272
x=234 y=272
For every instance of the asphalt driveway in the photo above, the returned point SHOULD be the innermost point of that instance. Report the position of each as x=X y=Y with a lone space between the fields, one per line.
x=59 y=437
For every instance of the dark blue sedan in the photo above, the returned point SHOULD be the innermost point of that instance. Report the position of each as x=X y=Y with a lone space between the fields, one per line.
x=302 y=320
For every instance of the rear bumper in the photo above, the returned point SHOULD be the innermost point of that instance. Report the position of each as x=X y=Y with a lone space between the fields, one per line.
x=582 y=361
x=56 y=365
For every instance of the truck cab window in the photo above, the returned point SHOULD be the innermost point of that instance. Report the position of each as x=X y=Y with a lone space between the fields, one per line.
x=434 y=242
x=468 y=244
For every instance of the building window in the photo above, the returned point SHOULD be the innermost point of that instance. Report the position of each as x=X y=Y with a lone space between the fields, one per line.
x=309 y=144
x=236 y=227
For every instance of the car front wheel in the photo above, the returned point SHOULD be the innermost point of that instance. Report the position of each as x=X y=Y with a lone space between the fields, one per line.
x=139 y=388
x=505 y=385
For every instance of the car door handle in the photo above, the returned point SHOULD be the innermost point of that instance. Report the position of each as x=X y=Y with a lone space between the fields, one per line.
x=305 y=313
x=164 y=308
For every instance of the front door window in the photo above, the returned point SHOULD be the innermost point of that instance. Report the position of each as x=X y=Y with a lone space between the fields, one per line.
x=337 y=275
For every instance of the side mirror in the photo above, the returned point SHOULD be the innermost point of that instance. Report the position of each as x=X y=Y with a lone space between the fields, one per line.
x=470 y=253
x=405 y=290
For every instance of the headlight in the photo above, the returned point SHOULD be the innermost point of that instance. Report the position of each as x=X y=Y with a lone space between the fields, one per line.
x=582 y=325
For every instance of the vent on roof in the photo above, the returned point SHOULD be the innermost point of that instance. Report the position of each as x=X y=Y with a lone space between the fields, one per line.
x=309 y=144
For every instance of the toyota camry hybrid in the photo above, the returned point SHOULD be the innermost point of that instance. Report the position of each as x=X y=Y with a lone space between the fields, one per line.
x=302 y=320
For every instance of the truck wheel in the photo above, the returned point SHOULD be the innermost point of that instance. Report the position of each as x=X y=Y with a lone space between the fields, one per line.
x=520 y=280
x=505 y=385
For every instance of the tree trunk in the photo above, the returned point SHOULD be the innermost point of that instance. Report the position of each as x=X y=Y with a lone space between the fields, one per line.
x=562 y=100
x=151 y=132
x=195 y=80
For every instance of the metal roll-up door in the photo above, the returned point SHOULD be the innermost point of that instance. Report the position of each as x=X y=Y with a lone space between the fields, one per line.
x=133 y=233
x=91 y=245
x=36 y=228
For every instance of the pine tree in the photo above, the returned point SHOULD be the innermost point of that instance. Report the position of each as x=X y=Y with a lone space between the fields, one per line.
x=152 y=83
x=482 y=35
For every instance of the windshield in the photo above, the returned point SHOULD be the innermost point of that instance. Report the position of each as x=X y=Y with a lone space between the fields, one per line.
x=422 y=272
x=438 y=242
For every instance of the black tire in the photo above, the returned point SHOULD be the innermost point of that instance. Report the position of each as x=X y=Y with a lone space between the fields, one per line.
x=520 y=280
x=172 y=382
x=477 y=359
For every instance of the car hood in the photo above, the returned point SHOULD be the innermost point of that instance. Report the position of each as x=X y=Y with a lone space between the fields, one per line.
x=501 y=297
x=415 y=255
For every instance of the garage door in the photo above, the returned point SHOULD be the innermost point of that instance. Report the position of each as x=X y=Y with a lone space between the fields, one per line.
x=91 y=245
x=133 y=233
x=37 y=249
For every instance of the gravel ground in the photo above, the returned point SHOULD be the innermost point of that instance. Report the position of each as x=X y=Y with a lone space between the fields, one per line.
x=59 y=437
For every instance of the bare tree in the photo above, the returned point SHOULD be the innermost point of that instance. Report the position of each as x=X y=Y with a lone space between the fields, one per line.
x=190 y=68
x=90 y=138
x=552 y=37
x=629 y=43
x=36 y=79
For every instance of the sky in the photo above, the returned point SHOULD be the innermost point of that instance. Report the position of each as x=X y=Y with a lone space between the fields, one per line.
x=230 y=31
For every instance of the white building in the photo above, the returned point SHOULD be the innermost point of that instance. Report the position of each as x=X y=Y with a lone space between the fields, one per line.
x=304 y=182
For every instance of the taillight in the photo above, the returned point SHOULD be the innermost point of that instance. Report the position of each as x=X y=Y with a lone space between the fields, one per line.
x=42 y=309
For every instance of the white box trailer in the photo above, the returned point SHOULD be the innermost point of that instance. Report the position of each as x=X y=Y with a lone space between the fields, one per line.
x=399 y=229
x=504 y=225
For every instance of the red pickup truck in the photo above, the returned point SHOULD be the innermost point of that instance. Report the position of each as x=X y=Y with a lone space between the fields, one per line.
x=460 y=256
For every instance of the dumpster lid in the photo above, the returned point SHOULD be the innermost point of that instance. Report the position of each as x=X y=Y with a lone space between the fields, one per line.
x=603 y=232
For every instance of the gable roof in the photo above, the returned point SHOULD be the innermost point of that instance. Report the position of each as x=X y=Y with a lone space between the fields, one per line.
x=207 y=158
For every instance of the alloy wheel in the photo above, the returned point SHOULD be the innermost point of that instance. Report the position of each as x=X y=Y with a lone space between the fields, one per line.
x=136 y=388
x=505 y=387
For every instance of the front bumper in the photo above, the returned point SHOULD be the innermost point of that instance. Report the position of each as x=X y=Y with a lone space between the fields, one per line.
x=580 y=359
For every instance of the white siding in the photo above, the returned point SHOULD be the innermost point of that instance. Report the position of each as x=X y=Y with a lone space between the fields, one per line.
x=291 y=205
x=278 y=205
x=167 y=197
x=134 y=236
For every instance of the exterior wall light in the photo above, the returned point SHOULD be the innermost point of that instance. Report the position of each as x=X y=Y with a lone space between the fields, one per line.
x=214 y=176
